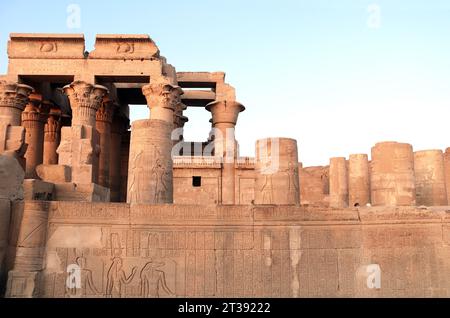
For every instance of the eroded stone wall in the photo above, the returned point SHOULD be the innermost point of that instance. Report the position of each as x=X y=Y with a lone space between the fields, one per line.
x=232 y=251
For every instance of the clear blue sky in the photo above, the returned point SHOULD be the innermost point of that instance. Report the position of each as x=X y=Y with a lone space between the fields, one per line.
x=318 y=71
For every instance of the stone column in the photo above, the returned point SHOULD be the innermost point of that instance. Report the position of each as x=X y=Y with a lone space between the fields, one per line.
x=13 y=98
x=33 y=119
x=338 y=183
x=79 y=146
x=52 y=135
x=277 y=176
x=430 y=178
x=224 y=118
x=392 y=175
x=447 y=172
x=150 y=162
x=358 y=180
x=124 y=159
x=119 y=128
x=103 y=124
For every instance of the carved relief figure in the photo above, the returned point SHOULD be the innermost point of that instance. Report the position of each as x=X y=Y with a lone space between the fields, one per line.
x=267 y=189
x=87 y=282
x=116 y=277
x=134 y=188
x=152 y=279
x=158 y=174
x=293 y=186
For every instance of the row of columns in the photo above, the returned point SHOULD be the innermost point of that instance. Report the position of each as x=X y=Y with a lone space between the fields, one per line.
x=95 y=138
x=87 y=146
x=396 y=176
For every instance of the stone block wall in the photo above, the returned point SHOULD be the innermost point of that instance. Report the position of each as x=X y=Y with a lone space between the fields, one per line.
x=133 y=250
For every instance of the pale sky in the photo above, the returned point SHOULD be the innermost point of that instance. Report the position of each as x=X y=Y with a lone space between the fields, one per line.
x=338 y=76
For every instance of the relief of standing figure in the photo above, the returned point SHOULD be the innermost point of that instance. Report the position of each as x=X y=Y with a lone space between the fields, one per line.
x=152 y=279
x=116 y=278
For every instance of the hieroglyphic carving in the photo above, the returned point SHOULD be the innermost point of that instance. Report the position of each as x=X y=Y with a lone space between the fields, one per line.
x=116 y=278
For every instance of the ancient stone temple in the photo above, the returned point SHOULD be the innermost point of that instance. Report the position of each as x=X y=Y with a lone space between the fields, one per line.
x=92 y=205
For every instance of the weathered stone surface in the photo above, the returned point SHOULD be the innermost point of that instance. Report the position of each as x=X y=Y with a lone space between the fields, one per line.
x=81 y=192
x=54 y=173
x=38 y=190
x=282 y=251
x=80 y=150
x=358 y=180
x=125 y=46
x=150 y=166
x=392 y=174
x=338 y=183
x=277 y=180
x=11 y=178
x=447 y=172
x=46 y=46
x=314 y=186
x=429 y=175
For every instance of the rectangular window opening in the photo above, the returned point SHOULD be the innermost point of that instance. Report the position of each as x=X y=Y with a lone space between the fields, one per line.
x=196 y=181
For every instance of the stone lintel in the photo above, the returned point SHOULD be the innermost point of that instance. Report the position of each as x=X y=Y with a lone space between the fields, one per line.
x=124 y=46
x=46 y=46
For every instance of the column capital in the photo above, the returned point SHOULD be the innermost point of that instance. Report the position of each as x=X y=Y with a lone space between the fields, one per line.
x=53 y=124
x=35 y=110
x=14 y=95
x=13 y=98
x=224 y=111
x=85 y=99
x=162 y=98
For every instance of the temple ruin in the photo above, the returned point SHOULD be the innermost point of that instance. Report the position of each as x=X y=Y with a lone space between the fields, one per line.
x=92 y=205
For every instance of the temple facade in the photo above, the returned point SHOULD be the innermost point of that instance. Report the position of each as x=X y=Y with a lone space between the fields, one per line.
x=92 y=205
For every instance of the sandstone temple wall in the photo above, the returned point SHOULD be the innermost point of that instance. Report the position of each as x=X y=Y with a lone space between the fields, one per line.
x=226 y=251
x=200 y=220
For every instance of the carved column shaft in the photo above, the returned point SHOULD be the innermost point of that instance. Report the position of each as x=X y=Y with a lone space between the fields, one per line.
x=33 y=119
x=358 y=180
x=392 y=175
x=338 y=183
x=52 y=136
x=103 y=124
x=150 y=164
x=119 y=128
x=276 y=169
x=124 y=160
